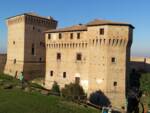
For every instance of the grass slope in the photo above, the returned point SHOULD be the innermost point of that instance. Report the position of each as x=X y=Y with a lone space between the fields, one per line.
x=18 y=101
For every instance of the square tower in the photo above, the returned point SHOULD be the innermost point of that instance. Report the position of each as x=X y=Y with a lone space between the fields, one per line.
x=26 y=44
x=96 y=55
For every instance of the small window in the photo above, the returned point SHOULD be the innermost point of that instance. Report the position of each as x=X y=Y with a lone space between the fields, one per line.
x=115 y=83
x=60 y=36
x=49 y=36
x=79 y=56
x=71 y=36
x=40 y=59
x=33 y=50
x=58 y=56
x=14 y=42
x=113 y=60
x=78 y=35
x=51 y=73
x=14 y=61
x=64 y=74
x=102 y=31
x=77 y=80
x=33 y=28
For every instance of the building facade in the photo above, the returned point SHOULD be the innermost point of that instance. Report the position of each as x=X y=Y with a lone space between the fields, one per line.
x=96 y=54
x=26 y=44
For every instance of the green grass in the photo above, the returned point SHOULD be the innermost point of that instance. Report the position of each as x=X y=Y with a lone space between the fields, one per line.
x=18 y=101
x=145 y=87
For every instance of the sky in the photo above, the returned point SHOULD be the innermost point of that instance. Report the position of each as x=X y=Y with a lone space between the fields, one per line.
x=70 y=12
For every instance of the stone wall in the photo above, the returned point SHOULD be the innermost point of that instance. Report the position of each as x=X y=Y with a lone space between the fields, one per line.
x=104 y=62
x=140 y=63
x=26 y=44
x=2 y=62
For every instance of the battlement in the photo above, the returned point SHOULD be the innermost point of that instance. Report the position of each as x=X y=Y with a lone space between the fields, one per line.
x=32 y=18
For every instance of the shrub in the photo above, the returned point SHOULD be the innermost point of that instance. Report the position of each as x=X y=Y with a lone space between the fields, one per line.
x=55 y=88
x=99 y=98
x=73 y=91
x=145 y=83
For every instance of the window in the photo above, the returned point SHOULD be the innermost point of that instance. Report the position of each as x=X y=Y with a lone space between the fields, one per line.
x=33 y=50
x=64 y=74
x=33 y=28
x=14 y=61
x=60 y=36
x=102 y=31
x=58 y=56
x=113 y=60
x=49 y=36
x=115 y=83
x=51 y=73
x=79 y=56
x=14 y=42
x=78 y=35
x=40 y=59
x=71 y=36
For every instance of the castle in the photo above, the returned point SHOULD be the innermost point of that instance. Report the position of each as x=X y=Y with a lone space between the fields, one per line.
x=95 y=54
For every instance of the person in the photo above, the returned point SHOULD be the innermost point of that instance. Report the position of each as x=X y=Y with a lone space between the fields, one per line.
x=21 y=78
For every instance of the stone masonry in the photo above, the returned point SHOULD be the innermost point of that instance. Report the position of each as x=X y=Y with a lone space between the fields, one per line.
x=95 y=54
x=26 y=44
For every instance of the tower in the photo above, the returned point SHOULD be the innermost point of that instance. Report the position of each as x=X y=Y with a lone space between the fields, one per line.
x=26 y=44
x=95 y=54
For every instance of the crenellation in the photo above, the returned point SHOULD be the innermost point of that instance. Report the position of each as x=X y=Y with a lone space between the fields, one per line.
x=98 y=58
x=97 y=53
x=29 y=56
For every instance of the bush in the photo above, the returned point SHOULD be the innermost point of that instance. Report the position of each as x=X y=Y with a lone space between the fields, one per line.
x=55 y=88
x=99 y=98
x=145 y=83
x=73 y=91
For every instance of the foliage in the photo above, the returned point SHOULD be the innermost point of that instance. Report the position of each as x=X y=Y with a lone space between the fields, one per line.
x=145 y=83
x=55 y=88
x=99 y=98
x=19 y=101
x=73 y=91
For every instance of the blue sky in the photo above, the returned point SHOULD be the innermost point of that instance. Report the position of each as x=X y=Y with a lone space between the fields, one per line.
x=69 y=12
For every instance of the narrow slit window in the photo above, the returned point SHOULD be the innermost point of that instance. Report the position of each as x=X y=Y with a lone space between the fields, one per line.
x=51 y=73
x=64 y=74
x=58 y=56
x=71 y=36
x=49 y=36
x=78 y=35
x=60 y=36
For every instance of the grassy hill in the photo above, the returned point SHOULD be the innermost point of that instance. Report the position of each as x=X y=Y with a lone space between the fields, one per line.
x=18 y=101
